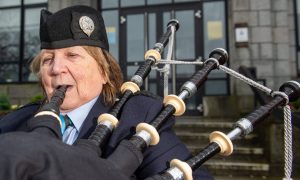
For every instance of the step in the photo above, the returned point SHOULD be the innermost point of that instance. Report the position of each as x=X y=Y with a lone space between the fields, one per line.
x=205 y=119
x=202 y=126
x=227 y=168
x=202 y=139
x=247 y=177
x=239 y=153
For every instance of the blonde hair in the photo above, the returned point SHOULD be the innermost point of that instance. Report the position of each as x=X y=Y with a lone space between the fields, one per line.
x=109 y=68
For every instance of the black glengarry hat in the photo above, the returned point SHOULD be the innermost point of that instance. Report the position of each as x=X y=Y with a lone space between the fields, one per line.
x=72 y=26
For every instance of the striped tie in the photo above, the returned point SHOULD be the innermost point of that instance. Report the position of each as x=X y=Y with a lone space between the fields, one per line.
x=70 y=134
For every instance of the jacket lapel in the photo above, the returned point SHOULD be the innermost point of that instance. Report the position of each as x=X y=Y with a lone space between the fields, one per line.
x=90 y=121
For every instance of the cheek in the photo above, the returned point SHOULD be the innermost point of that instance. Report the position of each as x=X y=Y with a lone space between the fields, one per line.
x=92 y=83
x=46 y=82
x=93 y=74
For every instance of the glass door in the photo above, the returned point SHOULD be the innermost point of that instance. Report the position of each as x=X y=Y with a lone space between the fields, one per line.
x=141 y=28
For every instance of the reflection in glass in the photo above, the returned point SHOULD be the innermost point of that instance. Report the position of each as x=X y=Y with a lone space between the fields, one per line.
x=4 y=3
x=109 y=3
x=214 y=30
x=185 y=38
x=151 y=30
x=9 y=44
x=214 y=26
x=184 y=0
x=185 y=71
x=112 y=29
x=185 y=42
x=126 y=3
x=135 y=38
x=35 y=1
x=32 y=40
x=151 y=2
x=166 y=19
x=217 y=74
x=132 y=69
x=215 y=87
x=9 y=73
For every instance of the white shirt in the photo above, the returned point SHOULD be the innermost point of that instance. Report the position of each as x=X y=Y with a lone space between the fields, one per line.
x=77 y=116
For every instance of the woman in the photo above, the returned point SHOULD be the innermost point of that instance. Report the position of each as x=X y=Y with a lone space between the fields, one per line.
x=75 y=52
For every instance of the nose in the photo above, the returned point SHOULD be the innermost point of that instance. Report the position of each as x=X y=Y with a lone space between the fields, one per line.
x=59 y=65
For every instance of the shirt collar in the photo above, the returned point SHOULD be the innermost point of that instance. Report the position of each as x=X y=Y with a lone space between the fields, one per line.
x=79 y=114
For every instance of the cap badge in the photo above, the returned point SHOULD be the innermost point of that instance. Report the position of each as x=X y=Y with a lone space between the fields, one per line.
x=87 y=25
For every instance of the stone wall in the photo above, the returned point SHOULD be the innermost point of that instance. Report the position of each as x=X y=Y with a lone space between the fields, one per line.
x=275 y=149
x=271 y=47
x=227 y=106
x=20 y=94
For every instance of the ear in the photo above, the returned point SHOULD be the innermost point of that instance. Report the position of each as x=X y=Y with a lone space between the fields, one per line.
x=44 y=15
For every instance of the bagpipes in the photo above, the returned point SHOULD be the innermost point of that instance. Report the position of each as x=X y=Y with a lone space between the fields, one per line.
x=222 y=143
x=40 y=152
x=52 y=159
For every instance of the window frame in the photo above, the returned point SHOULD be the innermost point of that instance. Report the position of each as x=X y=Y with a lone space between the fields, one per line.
x=20 y=62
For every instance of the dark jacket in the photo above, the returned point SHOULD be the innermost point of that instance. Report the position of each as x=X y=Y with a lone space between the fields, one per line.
x=139 y=108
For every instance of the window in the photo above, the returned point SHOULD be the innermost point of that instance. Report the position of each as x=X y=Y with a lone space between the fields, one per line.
x=19 y=43
x=112 y=30
x=127 y=3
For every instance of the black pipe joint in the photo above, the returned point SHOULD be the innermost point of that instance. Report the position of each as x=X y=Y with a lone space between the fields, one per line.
x=219 y=54
x=292 y=89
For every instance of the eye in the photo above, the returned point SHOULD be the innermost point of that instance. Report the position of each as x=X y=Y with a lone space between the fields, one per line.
x=47 y=60
x=72 y=54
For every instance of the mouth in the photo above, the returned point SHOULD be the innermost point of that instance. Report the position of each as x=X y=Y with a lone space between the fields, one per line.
x=68 y=87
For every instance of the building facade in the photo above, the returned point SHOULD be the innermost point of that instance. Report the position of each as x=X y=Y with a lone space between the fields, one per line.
x=262 y=35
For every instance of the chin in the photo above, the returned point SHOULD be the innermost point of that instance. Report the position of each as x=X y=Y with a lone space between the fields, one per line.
x=68 y=106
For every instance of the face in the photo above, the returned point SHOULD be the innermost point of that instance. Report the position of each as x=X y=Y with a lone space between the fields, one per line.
x=74 y=67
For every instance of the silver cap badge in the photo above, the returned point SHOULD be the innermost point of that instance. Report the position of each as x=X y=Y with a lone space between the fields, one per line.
x=87 y=25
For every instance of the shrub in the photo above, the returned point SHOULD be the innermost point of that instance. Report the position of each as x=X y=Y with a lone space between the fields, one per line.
x=4 y=102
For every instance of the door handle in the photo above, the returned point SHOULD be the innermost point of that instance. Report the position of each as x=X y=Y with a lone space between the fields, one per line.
x=198 y=14
x=122 y=19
